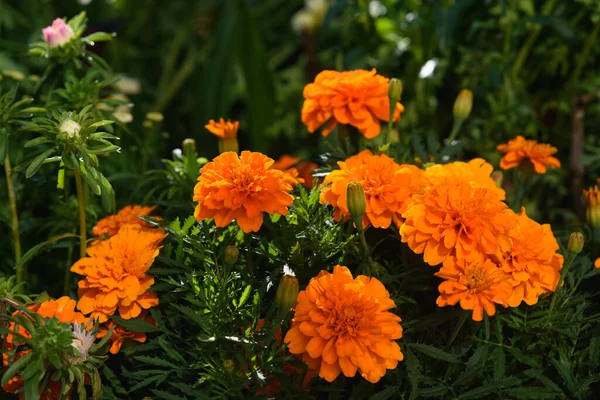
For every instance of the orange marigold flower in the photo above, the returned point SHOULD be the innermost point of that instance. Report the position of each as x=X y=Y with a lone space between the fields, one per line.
x=119 y=335
x=242 y=188
x=532 y=261
x=343 y=324
x=298 y=169
x=358 y=98
x=223 y=129
x=597 y=263
x=592 y=196
x=520 y=149
x=115 y=273
x=388 y=187
x=477 y=285
x=456 y=220
x=128 y=215
x=476 y=172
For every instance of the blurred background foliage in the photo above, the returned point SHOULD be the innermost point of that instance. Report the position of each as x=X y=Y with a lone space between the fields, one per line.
x=532 y=65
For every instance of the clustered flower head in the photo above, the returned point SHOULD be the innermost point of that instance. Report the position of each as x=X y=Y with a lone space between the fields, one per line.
x=241 y=188
x=343 y=325
x=520 y=150
x=358 y=98
x=110 y=225
x=115 y=273
x=388 y=187
x=58 y=34
x=223 y=129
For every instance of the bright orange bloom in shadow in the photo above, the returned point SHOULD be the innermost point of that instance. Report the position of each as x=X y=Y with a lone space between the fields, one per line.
x=62 y=309
x=127 y=215
x=455 y=220
x=597 y=263
x=343 y=324
x=477 y=285
x=119 y=335
x=476 y=172
x=520 y=149
x=223 y=129
x=532 y=261
x=242 y=188
x=358 y=98
x=388 y=187
x=592 y=196
x=115 y=273
x=298 y=169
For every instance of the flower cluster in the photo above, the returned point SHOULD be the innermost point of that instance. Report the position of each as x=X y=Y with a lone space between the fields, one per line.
x=519 y=150
x=242 y=188
x=109 y=226
x=343 y=325
x=358 y=98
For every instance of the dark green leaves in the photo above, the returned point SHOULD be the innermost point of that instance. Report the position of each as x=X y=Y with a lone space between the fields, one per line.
x=37 y=162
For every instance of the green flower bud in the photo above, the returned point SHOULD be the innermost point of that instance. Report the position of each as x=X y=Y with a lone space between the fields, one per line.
x=231 y=255
x=70 y=128
x=287 y=292
x=395 y=90
x=228 y=366
x=188 y=145
x=155 y=116
x=356 y=200
x=575 y=245
x=226 y=145
x=463 y=104
x=498 y=177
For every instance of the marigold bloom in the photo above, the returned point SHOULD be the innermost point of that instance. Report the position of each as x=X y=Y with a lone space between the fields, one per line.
x=127 y=215
x=477 y=285
x=298 y=169
x=115 y=273
x=455 y=220
x=597 y=263
x=343 y=324
x=223 y=129
x=119 y=335
x=388 y=187
x=477 y=172
x=592 y=196
x=241 y=188
x=358 y=98
x=532 y=260
x=520 y=149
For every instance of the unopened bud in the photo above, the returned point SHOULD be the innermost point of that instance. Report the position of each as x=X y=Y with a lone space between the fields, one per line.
x=287 y=292
x=58 y=34
x=231 y=255
x=228 y=366
x=592 y=195
x=155 y=116
x=498 y=177
x=356 y=200
x=226 y=145
x=70 y=128
x=188 y=145
x=463 y=104
x=575 y=245
x=395 y=90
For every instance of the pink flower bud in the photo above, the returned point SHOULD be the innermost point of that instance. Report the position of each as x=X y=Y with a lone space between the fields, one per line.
x=58 y=34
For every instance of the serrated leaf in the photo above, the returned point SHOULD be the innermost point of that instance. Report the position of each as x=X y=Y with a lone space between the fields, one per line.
x=434 y=352
x=531 y=393
x=245 y=296
x=434 y=391
x=499 y=363
x=479 y=392
x=386 y=393
x=37 y=163
x=156 y=361
x=136 y=325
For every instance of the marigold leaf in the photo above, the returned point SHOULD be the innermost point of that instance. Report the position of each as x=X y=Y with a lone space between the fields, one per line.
x=479 y=392
x=136 y=325
x=386 y=393
x=245 y=296
x=532 y=393
x=156 y=361
x=35 y=249
x=15 y=367
x=434 y=391
x=434 y=352
x=3 y=145
x=37 y=163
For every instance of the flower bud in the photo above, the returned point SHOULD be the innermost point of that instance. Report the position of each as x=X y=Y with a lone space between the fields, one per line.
x=228 y=366
x=575 y=245
x=155 y=116
x=395 y=90
x=287 y=292
x=463 y=104
x=231 y=255
x=226 y=145
x=592 y=195
x=498 y=177
x=58 y=34
x=70 y=128
x=188 y=145
x=356 y=200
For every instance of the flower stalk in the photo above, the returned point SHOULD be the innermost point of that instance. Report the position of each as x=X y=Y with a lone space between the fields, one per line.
x=21 y=270
x=575 y=246
x=82 y=227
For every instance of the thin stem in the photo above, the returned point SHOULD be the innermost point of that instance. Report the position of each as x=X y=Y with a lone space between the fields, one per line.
x=67 y=279
x=582 y=59
x=455 y=129
x=564 y=272
x=12 y=198
x=82 y=228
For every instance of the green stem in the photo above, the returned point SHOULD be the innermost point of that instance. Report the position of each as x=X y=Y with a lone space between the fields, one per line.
x=563 y=273
x=67 y=279
x=533 y=35
x=12 y=198
x=455 y=129
x=582 y=59
x=82 y=228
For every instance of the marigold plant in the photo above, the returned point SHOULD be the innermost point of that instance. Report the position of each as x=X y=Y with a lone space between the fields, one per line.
x=343 y=325
x=119 y=335
x=358 y=98
x=115 y=273
x=519 y=150
x=388 y=187
x=128 y=215
x=242 y=188
x=223 y=129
